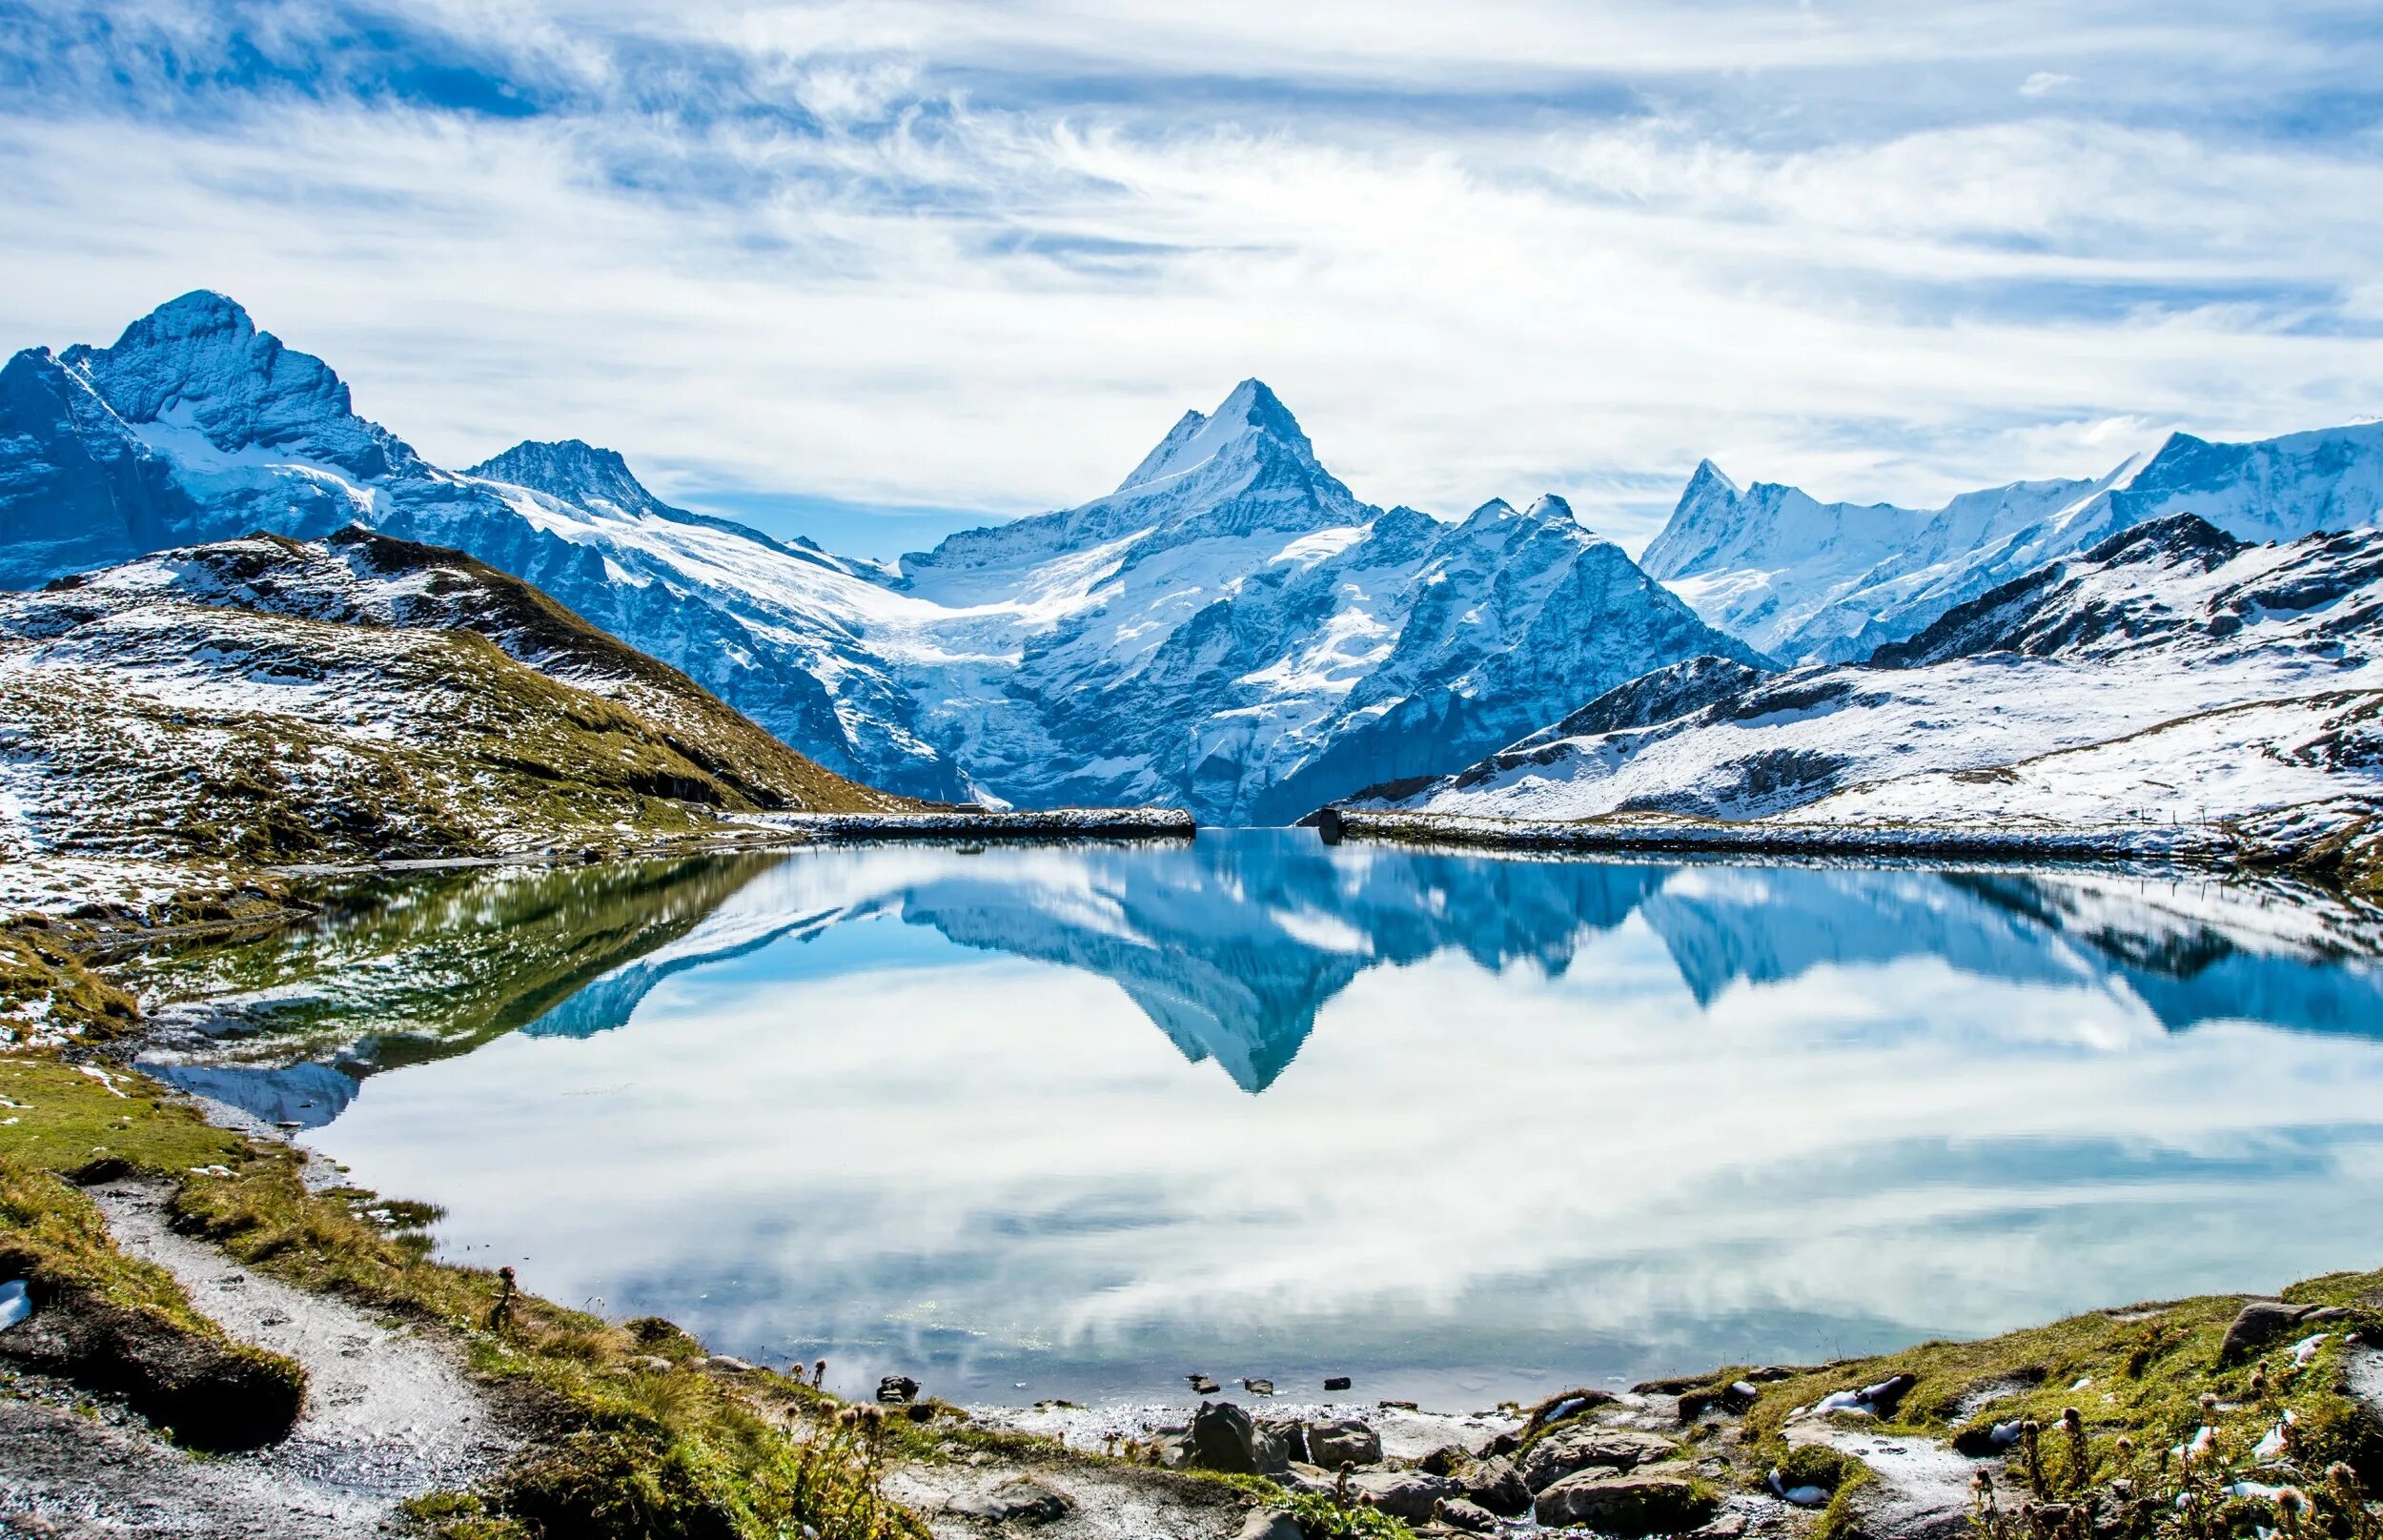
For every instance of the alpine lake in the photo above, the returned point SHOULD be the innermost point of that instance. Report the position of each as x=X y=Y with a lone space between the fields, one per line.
x=1078 y=1121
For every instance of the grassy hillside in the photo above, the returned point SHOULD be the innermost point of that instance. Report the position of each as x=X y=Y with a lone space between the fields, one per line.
x=272 y=702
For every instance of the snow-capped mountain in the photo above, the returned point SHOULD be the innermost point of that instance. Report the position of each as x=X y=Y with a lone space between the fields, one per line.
x=195 y=427
x=2173 y=628
x=1812 y=581
x=1230 y=631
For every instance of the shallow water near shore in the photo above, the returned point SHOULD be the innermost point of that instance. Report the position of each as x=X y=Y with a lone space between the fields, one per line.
x=1075 y=1122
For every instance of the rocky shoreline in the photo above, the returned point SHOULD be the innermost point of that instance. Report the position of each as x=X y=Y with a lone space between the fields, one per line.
x=2333 y=845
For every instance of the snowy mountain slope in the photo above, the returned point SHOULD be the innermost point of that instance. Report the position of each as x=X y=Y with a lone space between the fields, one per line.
x=2222 y=763
x=1231 y=629
x=274 y=700
x=2164 y=622
x=358 y=577
x=196 y=427
x=1808 y=581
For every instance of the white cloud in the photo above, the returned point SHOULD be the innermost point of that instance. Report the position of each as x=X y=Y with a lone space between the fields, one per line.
x=990 y=274
x=2044 y=82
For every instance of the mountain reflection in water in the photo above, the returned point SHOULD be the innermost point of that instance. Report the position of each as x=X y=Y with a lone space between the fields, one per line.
x=1497 y=1122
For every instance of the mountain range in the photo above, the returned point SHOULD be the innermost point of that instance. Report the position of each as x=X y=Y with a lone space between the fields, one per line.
x=1231 y=629
x=2172 y=673
x=1831 y=582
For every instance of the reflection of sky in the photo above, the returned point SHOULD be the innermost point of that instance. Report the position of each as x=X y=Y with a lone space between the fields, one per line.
x=1759 y=1114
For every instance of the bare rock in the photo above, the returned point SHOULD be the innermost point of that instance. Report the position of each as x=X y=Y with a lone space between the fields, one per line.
x=1568 y=1449
x=1270 y=1524
x=1462 y=1513
x=1402 y=1494
x=1496 y=1485
x=1339 y=1439
x=1015 y=1501
x=1626 y=1501
x=1224 y=1438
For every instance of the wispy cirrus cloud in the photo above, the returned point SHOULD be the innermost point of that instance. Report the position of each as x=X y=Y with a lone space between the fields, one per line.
x=934 y=255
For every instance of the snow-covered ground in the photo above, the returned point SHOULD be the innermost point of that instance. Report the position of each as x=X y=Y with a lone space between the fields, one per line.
x=2119 y=702
x=2171 y=676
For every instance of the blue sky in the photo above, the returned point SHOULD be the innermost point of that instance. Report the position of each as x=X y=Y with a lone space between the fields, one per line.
x=872 y=271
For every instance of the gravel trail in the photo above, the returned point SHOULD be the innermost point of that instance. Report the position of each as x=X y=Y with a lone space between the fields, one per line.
x=390 y=1414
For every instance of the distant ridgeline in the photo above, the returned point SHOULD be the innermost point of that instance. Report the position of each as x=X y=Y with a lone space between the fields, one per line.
x=1230 y=631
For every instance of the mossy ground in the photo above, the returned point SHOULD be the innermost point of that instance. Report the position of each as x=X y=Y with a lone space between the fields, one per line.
x=2143 y=1381
x=47 y=988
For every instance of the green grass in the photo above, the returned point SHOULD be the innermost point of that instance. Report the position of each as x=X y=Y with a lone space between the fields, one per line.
x=635 y=1452
x=114 y=1323
x=44 y=978
x=2142 y=1380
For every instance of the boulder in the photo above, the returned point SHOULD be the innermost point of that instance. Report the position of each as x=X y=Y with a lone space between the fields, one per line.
x=1173 y=1451
x=1224 y=1438
x=1336 y=1382
x=1337 y=1440
x=1460 y=1513
x=1291 y=1436
x=1568 y=1449
x=1015 y=1501
x=1270 y=1524
x=2257 y=1326
x=2261 y=1324
x=896 y=1390
x=1402 y=1494
x=1496 y=1485
x=1626 y=1501
x=1446 y=1460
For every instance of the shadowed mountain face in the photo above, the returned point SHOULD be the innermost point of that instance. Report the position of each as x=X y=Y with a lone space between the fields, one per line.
x=1231 y=946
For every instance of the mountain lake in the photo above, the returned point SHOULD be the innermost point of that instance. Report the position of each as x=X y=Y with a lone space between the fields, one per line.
x=1045 y=1122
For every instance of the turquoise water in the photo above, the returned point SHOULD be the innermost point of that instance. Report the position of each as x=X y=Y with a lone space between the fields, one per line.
x=1076 y=1122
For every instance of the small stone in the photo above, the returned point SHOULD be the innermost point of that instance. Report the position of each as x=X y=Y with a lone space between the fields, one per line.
x=1202 y=1385
x=1396 y=1406
x=721 y=1364
x=1258 y=1387
x=1338 y=1382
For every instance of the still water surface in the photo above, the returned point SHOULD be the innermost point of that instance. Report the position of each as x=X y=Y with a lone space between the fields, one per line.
x=1075 y=1122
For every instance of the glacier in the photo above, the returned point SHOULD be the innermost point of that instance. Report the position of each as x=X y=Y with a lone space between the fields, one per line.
x=1230 y=631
